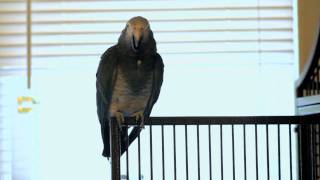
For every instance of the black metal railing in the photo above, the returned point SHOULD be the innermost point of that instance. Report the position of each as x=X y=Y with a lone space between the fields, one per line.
x=308 y=102
x=268 y=148
x=308 y=83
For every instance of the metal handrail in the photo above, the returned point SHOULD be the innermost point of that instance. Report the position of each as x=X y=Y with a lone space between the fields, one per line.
x=303 y=122
x=217 y=120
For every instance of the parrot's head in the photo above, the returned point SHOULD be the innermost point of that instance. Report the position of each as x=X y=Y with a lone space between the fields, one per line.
x=137 y=35
x=137 y=31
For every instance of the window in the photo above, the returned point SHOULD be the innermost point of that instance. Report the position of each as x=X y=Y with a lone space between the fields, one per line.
x=221 y=52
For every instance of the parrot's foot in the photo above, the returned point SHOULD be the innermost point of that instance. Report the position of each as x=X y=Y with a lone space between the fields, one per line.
x=120 y=118
x=139 y=116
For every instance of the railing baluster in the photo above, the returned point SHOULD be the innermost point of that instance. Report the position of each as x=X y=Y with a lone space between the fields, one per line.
x=312 y=150
x=312 y=85
x=290 y=151
x=139 y=158
x=115 y=148
x=244 y=153
x=315 y=80
x=313 y=144
x=221 y=151
x=174 y=152
x=256 y=144
x=210 y=164
x=151 y=157
x=198 y=152
x=163 y=165
x=279 y=154
x=299 y=152
x=127 y=152
x=186 y=144
x=318 y=80
x=317 y=150
x=309 y=89
x=233 y=161
x=268 y=158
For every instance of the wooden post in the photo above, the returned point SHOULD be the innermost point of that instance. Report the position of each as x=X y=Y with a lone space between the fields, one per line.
x=115 y=149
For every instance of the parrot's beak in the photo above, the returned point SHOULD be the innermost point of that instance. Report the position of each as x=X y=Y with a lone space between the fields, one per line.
x=136 y=40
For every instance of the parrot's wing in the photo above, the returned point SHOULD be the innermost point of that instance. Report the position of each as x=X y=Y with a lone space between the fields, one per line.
x=156 y=84
x=104 y=84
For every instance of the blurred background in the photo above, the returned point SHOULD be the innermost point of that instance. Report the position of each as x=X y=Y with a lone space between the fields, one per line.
x=222 y=58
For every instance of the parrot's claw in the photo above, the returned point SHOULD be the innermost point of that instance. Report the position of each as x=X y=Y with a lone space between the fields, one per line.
x=120 y=118
x=139 y=116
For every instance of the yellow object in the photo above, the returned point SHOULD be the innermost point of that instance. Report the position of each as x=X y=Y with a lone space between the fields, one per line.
x=21 y=100
x=24 y=109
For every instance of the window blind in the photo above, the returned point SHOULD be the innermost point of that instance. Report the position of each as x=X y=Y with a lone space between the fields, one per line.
x=71 y=31
x=12 y=34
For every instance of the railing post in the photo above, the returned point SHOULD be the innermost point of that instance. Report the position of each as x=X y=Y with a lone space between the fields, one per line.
x=115 y=149
x=305 y=152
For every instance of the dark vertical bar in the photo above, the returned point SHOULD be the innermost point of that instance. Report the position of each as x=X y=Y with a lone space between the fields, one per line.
x=306 y=151
x=115 y=149
x=268 y=159
x=198 y=151
x=299 y=152
x=317 y=80
x=210 y=164
x=256 y=144
x=314 y=154
x=317 y=151
x=233 y=161
x=279 y=154
x=221 y=151
x=312 y=85
x=139 y=158
x=309 y=89
x=313 y=146
x=290 y=151
x=151 y=157
x=244 y=152
x=186 y=143
x=316 y=136
x=29 y=42
x=312 y=151
x=163 y=165
x=127 y=152
x=174 y=152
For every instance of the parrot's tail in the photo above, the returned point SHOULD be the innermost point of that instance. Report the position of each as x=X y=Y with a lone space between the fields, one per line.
x=127 y=140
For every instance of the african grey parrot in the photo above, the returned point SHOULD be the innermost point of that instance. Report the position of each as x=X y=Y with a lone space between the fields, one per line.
x=129 y=80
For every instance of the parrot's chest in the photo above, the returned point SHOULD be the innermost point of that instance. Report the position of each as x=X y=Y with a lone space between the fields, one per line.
x=132 y=91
